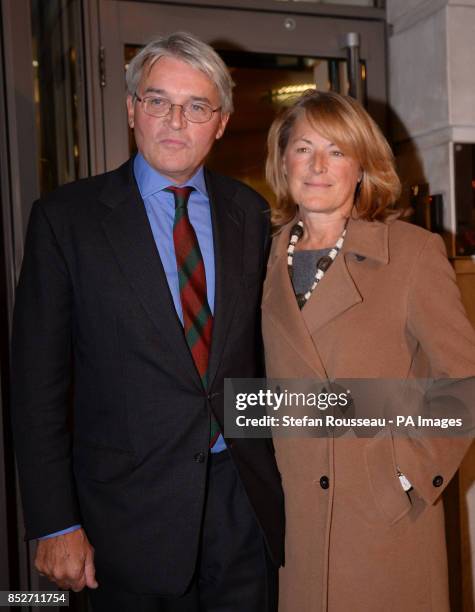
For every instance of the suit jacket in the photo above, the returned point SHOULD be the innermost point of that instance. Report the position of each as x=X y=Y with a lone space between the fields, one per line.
x=95 y=322
x=388 y=308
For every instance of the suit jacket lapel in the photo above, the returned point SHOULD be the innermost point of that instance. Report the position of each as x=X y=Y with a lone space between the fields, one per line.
x=228 y=223
x=129 y=233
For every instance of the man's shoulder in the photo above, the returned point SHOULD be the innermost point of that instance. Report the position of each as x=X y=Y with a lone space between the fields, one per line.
x=83 y=192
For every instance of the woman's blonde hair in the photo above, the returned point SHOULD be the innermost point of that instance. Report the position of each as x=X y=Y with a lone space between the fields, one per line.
x=344 y=122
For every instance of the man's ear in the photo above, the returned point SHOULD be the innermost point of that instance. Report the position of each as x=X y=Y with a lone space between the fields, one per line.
x=130 y=110
x=223 y=121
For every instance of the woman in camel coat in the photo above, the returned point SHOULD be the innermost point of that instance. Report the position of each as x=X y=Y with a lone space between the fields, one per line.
x=364 y=516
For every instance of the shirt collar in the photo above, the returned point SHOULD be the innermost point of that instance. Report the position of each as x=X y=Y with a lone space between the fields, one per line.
x=150 y=181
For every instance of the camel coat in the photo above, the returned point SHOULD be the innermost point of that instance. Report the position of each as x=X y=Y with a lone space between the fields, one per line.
x=388 y=308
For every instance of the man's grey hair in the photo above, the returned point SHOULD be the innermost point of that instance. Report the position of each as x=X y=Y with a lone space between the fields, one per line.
x=189 y=49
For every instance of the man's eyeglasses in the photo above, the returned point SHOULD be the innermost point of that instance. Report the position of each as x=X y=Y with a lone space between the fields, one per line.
x=196 y=112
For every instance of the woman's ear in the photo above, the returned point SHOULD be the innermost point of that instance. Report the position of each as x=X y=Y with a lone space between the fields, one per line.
x=284 y=167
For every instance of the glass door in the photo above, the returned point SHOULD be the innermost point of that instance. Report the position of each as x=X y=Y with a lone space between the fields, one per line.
x=272 y=55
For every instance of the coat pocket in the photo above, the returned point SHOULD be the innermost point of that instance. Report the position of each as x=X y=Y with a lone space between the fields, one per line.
x=390 y=497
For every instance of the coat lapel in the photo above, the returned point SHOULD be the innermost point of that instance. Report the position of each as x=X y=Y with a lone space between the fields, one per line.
x=228 y=224
x=280 y=305
x=335 y=294
x=337 y=291
x=129 y=233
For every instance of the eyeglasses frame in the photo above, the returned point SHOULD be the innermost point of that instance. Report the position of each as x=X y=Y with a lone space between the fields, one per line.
x=213 y=110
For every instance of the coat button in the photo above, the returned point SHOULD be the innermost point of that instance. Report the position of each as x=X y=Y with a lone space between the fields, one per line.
x=199 y=457
x=324 y=482
x=438 y=481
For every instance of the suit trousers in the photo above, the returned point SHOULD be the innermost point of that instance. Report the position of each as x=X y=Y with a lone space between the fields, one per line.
x=234 y=572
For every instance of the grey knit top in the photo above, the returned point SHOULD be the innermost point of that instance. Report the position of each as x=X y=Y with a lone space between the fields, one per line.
x=304 y=268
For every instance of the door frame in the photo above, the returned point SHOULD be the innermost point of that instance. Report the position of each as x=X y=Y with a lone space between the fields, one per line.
x=292 y=30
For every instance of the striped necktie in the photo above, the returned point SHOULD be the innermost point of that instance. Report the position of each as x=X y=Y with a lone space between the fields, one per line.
x=197 y=317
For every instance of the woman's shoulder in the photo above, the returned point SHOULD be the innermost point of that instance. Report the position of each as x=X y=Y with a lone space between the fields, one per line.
x=412 y=237
x=395 y=241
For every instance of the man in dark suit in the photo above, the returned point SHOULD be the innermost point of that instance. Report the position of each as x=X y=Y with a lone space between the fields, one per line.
x=139 y=294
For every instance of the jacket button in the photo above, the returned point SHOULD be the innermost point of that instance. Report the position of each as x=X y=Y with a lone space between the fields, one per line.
x=199 y=457
x=438 y=481
x=324 y=482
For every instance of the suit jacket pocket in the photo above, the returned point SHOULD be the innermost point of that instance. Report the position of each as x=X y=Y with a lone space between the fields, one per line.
x=386 y=489
x=102 y=464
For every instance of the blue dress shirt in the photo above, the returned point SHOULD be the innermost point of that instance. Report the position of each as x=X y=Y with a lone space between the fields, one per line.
x=160 y=208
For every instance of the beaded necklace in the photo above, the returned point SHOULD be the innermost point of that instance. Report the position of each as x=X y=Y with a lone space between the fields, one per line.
x=322 y=265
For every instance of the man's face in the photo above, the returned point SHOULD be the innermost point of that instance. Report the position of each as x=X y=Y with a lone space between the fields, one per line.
x=172 y=145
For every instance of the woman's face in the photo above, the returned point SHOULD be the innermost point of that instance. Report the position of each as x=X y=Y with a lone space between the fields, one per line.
x=321 y=178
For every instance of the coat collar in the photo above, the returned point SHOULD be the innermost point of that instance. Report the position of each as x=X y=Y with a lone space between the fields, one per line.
x=365 y=239
x=119 y=185
x=129 y=233
x=368 y=239
x=336 y=293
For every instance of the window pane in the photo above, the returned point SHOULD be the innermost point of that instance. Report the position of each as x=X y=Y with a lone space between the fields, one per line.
x=465 y=198
x=59 y=79
x=373 y=3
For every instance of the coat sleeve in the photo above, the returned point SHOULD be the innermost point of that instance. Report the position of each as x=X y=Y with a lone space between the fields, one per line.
x=42 y=381
x=437 y=319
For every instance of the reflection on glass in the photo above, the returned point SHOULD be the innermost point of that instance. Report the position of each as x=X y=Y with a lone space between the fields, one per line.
x=265 y=83
x=60 y=112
